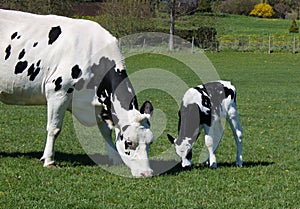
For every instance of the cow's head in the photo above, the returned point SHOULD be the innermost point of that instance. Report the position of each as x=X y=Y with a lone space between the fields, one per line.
x=183 y=149
x=134 y=140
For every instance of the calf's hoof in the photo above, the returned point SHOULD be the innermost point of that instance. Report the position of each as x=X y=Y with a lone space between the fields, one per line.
x=213 y=166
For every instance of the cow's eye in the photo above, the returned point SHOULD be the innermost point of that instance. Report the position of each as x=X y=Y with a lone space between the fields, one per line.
x=130 y=145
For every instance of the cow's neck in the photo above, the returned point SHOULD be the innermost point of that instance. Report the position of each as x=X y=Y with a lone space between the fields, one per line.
x=115 y=91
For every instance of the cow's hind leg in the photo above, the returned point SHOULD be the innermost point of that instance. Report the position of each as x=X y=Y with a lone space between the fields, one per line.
x=56 y=108
x=237 y=131
x=213 y=136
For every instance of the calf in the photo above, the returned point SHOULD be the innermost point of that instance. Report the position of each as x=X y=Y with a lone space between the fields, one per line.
x=203 y=107
x=75 y=65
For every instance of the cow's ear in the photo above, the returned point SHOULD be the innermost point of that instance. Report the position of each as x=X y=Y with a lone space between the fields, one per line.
x=171 y=138
x=147 y=108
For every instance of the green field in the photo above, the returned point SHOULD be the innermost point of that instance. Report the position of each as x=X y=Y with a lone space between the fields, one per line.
x=269 y=107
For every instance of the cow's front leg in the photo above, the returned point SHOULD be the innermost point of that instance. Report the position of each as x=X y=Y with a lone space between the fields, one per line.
x=56 y=108
x=112 y=152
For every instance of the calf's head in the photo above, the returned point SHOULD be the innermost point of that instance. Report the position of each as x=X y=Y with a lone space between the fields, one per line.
x=134 y=140
x=183 y=149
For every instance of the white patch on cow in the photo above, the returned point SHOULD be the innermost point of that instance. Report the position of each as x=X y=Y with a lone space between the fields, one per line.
x=129 y=89
x=192 y=96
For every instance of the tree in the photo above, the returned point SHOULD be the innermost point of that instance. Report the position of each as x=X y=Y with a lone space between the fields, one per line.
x=294 y=27
x=172 y=24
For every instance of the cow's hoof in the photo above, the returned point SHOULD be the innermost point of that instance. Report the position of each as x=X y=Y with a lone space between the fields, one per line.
x=213 y=166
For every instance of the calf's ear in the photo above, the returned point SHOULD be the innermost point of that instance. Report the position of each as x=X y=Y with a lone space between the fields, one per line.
x=171 y=138
x=147 y=108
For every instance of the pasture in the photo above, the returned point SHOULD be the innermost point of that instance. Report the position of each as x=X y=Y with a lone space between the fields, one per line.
x=268 y=98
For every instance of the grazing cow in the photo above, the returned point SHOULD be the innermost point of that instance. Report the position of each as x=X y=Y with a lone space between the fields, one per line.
x=75 y=65
x=203 y=107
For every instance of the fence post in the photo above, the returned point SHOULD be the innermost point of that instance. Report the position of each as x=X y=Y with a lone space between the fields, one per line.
x=243 y=44
x=193 y=39
x=144 y=44
x=295 y=46
x=270 y=50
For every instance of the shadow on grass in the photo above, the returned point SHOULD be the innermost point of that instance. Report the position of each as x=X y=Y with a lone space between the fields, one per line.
x=178 y=168
x=159 y=167
x=74 y=159
x=87 y=160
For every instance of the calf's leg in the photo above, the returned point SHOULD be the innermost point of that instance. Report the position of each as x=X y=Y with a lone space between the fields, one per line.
x=213 y=137
x=237 y=131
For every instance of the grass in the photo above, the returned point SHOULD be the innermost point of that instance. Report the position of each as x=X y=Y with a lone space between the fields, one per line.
x=268 y=102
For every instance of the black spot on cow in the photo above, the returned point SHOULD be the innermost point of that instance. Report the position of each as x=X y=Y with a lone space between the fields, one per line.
x=76 y=72
x=20 y=67
x=33 y=72
x=22 y=54
x=35 y=44
x=70 y=90
x=18 y=37
x=14 y=35
x=112 y=82
x=38 y=63
x=57 y=83
x=8 y=52
x=54 y=34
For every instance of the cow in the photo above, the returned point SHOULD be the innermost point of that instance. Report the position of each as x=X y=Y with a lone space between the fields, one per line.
x=204 y=107
x=73 y=65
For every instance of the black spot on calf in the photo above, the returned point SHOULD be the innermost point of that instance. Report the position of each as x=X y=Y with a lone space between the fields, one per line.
x=35 y=44
x=54 y=34
x=20 y=67
x=57 y=83
x=8 y=52
x=76 y=72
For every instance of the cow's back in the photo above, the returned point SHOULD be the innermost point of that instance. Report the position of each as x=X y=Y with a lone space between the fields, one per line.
x=38 y=50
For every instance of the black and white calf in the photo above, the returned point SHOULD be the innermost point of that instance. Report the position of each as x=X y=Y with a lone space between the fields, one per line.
x=75 y=65
x=203 y=107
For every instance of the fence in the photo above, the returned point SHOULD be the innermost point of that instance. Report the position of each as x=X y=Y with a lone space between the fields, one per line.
x=263 y=43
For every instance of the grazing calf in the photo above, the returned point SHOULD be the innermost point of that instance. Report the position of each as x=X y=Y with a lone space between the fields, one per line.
x=203 y=107
x=75 y=65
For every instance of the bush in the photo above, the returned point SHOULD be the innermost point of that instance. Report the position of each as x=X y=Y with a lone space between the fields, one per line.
x=239 y=7
x=204 y=37
x=204 y=6
x=262 y=10
x=294 y=27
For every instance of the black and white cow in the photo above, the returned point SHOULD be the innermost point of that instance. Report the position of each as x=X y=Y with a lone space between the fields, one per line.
x=75 y=65
x=203 y=107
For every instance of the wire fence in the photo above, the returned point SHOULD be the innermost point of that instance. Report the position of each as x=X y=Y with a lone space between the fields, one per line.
x=260 y=43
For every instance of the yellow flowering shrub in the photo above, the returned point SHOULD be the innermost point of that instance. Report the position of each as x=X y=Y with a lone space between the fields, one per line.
x=262 y=10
